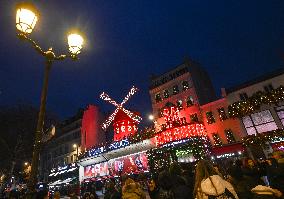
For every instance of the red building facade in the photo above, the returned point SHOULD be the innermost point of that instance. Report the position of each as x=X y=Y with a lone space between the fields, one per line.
x=91 y=131
x=185 y=87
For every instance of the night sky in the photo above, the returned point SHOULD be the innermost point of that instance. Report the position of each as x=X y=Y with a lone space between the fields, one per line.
x=128 y=40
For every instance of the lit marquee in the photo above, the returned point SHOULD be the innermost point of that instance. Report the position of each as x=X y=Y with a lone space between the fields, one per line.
x=176 y=128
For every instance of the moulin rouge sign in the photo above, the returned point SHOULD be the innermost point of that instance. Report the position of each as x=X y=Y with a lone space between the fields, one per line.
x=176 y=128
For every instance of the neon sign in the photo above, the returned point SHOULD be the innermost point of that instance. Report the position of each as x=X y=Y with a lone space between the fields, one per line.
x=172 y=119
x=180 y=133
x=96 y=151
x=125 y=127
x=118 y=144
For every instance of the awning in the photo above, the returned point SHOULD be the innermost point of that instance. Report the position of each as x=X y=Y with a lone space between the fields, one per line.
x=232 y=148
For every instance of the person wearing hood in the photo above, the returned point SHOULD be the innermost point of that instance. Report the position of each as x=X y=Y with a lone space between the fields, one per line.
x=208 y=184
x=132 y=190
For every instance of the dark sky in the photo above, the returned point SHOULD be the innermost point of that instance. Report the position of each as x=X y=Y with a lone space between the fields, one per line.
x=128 y=40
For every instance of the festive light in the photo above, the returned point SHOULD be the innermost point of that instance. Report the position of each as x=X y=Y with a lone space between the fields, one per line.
x=180 y=133
x=194 y=118
x=96 y=151
x=133 y=116
x=222 y=114
x=263 y=138
x=226 y=155
x=253 y=103
x=230 y=137
x=185 y=85
x=118 y=144
x=217 y=140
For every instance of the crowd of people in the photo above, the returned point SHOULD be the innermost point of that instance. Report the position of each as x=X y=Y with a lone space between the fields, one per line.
x=242 y=178
x=228 y=179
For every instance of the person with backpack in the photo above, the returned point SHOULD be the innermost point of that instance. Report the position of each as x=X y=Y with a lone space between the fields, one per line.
x=209 y=185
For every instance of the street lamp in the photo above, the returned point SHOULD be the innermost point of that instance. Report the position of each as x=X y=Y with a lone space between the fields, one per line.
x=151 y=117
x=26 y=18
x=26 y=164
x=75 y=146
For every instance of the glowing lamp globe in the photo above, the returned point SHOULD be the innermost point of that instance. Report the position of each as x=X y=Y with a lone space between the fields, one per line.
x=75 y=42
x=26 y=17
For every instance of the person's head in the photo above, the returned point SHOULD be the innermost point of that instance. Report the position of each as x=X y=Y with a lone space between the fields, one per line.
x=110 y=185
x=86 y=196
x=175 y=169
x=129 y=181
x=203 y=170
x=250 y=163
x=56 y=195
x=164 y=180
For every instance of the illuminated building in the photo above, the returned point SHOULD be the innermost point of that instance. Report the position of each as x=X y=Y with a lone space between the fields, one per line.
x=259 y=105
x=188 y=87
x=58 y=157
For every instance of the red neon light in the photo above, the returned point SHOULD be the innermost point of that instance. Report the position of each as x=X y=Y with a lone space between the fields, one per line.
x=180 y=133
x=123 y=126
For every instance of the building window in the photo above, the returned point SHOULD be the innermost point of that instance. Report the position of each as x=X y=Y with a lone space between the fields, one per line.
x=194 y=118
x=185 y=85
x=243 y=96
x=268 y=88
x=280 y=113
x=175 y=90
x=230 y=136
x=166 y=94
x=217 y=140
x=259 y=122
x=179 y=104
x=210 y=117
x=189 y=101
x=222 y=114
x=158 y=98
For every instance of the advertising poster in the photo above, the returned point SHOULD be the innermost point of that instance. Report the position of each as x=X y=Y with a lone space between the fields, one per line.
x=135 y=163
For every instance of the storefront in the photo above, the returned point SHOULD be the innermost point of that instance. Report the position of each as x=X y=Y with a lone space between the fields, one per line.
x=64 y=179
x=116 y=159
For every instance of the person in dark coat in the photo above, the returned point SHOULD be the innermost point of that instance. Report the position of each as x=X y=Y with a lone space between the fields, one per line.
x=241 y=183
x=179 y=187
x=251 y=173
x=165 y=185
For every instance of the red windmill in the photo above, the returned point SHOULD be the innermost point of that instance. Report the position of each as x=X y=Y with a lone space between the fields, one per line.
x=124 y=121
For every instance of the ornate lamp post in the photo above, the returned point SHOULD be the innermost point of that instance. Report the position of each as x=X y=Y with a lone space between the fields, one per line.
x=26 y=19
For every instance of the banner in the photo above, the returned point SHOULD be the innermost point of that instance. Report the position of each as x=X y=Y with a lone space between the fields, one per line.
x=135 y=163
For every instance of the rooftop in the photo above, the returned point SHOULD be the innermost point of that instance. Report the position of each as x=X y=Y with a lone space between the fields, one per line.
x=256 y=80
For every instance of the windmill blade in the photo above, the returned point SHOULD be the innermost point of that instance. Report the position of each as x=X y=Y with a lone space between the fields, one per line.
x=110 y=119
x=107 y=98
x=133 y=116
x=132 y=91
